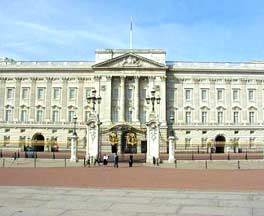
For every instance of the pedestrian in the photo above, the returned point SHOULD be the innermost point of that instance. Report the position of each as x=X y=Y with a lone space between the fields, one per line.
x=130 y=161
x=88 y=160
x=116 y=160
x=105 y=159
x=96 y=160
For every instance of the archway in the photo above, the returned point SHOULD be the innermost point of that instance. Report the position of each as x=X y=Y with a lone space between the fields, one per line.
x=38 y=142
x=220 y=144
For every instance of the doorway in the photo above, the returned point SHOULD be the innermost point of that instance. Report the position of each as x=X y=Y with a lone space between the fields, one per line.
x=220 y=144
x=38 y=142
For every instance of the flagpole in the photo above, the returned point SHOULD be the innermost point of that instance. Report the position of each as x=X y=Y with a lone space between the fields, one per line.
x=131 y=34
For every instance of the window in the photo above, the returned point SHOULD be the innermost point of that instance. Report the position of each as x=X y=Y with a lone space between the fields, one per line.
x=204 y=117
x=6 y=140
x=129 y=94
x=39 y=116
x=70 y=116
x=115 y=93
x=235 y=95
x=56 y=93
x=204 y=142
x=41 y=93
x=55 y=116
x=251 y=95
x=220 y=116
x=188 y=117
x=9 y=116
x=129 y=116
x=187 y=142
x=188 y=94
x=251 y=141
x=10 y=93
x=72 y=93
x=115 y=116
x=251 y=117
x=25 y=93
x=235 y=117
x=236 y=132
x=220 y=94
x=23 y=115
x=143 y=94
x=143 y=116
x=87 y=114
x=88 y=92
x=204 y=94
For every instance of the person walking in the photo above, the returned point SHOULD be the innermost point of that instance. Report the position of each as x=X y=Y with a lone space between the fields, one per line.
x=116 y=160
x=96 y=160
x=130 y=161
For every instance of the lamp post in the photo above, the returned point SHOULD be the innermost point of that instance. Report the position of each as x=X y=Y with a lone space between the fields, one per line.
x=152 y=99
x=74 y=157
x=171 y=141
x=93 y=99
x=171 y=120
x=74 y=122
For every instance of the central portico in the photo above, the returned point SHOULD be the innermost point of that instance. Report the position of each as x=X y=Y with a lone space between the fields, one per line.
x=124 y=78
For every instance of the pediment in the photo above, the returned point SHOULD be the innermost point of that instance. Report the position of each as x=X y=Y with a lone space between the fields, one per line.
x=129 y=60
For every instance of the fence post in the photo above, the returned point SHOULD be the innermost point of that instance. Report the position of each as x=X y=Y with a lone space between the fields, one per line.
x=198 y=150
x=192 y=155
x=210 y=155
x=35 y=161
x=1 y=153
x=3 y=162
x=64 y=162
x=228 y=156
x=206 y=164
x=246 y=155
x=175 y=163
x=238 y=164
x=84 y=162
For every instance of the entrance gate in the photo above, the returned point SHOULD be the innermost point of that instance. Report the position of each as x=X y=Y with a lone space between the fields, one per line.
x=38 y=142
x=220 y=144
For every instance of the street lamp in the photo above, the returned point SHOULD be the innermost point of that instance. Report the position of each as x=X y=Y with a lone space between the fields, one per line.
x=96 y=100
x=171 y=121
x=152 y=99
x=93 y=99
x=74 y=122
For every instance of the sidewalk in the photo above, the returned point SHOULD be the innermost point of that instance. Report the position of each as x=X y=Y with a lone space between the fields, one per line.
x=46 y=201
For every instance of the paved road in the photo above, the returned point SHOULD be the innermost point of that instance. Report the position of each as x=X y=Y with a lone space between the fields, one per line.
x=135 y=177
x=32 y=201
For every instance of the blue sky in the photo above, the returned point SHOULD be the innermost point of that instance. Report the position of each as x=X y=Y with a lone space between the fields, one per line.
x=189 y=30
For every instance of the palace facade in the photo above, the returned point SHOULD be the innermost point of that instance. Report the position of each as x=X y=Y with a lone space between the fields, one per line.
x=205 y=103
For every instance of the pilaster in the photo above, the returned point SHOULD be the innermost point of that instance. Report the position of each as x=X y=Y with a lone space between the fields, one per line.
x=136 y=99
x=33 y=98
x=48 y=97
x=64 y=99
x=122 y=99
x=2 y=98
x=80 y=99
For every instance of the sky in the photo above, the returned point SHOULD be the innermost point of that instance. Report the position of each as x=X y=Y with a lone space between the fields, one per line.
x=188 y=30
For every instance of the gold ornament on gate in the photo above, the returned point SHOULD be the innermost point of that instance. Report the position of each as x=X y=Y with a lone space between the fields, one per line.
x=131 y=138
x=113 y=139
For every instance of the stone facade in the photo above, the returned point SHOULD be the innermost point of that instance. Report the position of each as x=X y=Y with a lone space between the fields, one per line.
x=213 y=104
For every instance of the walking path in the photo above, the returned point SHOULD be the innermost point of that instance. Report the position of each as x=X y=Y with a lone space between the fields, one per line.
x=45 y=201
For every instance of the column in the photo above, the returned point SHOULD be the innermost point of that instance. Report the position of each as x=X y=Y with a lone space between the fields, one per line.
x=48 y=98
x=17 y=98
x=244 y=98
x=106 y=98
x=258 y=99
x=179 y=101
x=80 y=99
x=64 y=99
x=2 y=98
x=33 y=98
x=212 y=102
x=122 y=99
x=98 y=92
x=196 y=101
x=136 y=99
x=229 y=110
x=163 y=100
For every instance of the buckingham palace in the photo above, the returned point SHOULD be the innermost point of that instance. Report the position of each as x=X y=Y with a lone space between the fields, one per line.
x=219 y=104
